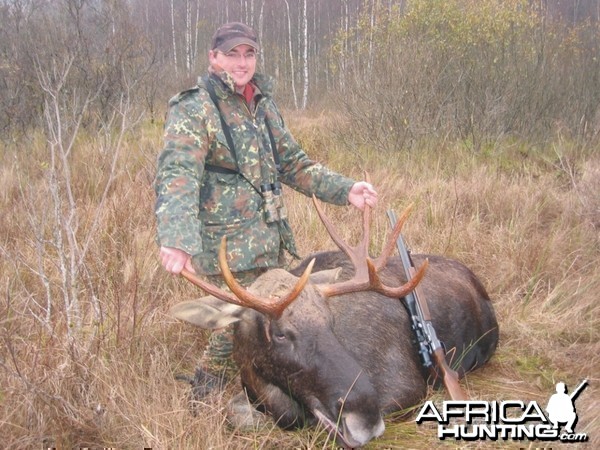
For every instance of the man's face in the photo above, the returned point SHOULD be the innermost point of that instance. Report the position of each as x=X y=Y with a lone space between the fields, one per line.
x=240 y=63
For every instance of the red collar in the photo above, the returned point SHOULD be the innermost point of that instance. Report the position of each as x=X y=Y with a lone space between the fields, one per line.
x=249 y=93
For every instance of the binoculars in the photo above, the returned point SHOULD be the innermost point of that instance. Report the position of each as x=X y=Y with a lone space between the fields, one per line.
x=274 y=208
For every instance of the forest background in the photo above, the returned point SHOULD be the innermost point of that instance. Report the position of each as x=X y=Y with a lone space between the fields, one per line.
x=485 y=113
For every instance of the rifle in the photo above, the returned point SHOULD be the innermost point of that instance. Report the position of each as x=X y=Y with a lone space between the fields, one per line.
x=578 y=389
x=431 y=350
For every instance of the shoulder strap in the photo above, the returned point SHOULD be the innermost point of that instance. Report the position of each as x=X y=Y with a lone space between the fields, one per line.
x=273 y=147
x=225 y=127
x=213 y=96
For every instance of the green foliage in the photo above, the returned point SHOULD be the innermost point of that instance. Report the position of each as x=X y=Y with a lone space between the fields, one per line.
x=476 y=70
x=459 y=25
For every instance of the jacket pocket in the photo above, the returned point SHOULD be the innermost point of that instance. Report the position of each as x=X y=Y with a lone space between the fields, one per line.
x=227 y=199
x=250 y=244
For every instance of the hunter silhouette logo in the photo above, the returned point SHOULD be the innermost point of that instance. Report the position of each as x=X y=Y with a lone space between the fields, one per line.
x=511 y=419
x=561 y=406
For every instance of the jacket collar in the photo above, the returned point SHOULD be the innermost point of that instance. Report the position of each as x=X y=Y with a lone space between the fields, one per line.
x=225 y=85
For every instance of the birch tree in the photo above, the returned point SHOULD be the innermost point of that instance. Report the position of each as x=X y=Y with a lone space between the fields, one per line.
x=261 y=31
x=305 y=54
x=173 y=34
x=188 y=37
x=291 y=54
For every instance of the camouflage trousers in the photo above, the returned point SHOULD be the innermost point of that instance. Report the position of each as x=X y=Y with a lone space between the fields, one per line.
x=217 y=358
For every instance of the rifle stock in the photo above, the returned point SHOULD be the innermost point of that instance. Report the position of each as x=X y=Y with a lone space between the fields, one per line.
x=416 y=303
x=449 y=376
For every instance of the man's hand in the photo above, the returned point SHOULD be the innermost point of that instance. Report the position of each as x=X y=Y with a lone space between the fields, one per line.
x=362 y=193
x=175 y=260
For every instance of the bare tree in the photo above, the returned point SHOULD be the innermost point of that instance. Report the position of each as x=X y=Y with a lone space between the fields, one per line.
x=305 y=54
x=291 y=54
x=81 y=90
x=174 y=34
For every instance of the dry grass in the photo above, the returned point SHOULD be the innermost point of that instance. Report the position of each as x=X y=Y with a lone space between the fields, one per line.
x=525 y=218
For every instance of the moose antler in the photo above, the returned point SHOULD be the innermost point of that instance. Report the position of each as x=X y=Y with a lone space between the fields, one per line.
x=272 y=307
x=366 y=276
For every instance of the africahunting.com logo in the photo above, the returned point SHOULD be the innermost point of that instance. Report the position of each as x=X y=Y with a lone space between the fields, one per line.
x=511 y=419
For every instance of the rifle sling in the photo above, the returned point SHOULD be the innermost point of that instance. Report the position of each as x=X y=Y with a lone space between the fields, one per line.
x=226 y=131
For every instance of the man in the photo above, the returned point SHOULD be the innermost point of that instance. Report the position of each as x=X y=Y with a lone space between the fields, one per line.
x=209 y=184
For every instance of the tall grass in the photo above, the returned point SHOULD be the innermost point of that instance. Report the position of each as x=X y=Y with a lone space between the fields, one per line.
x=524 y=217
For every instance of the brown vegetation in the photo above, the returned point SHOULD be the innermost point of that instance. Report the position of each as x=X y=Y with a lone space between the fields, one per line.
x=490 y=126
x=525 y=218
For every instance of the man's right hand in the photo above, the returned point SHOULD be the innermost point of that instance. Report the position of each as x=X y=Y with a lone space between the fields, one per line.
x=175 y=260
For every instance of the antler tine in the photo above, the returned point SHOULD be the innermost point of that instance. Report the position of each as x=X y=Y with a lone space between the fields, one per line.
x=331 y=229
x=400 y=291
x=358 y=253
x=390 y=244
x=366 y=222
x=210 y=288
x=366 y=228
x=366 y=269
x=271 y=307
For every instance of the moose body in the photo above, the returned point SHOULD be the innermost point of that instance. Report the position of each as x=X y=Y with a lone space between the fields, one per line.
x=326 y=345
x=348 y=358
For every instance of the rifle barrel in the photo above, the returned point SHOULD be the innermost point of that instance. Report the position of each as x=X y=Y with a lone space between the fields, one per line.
x=578 y=389
x=418 y=308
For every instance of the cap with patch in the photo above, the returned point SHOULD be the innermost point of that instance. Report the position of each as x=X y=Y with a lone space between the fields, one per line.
x=233 y=34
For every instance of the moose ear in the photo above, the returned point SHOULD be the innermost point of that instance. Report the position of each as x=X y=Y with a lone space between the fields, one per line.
x=326 y=276
x=208 y=312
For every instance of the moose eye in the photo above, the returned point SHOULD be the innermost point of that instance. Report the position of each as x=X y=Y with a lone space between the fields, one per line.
x=279 y=336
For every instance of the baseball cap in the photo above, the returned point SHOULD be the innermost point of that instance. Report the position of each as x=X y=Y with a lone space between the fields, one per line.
x=233 y=34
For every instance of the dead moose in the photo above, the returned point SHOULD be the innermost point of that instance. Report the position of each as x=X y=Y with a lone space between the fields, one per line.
x=336 y=347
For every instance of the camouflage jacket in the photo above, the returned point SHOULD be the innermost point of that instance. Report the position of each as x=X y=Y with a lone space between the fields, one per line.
x=196 y=207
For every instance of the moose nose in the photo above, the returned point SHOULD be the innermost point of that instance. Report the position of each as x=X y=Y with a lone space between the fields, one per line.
x=356 y=430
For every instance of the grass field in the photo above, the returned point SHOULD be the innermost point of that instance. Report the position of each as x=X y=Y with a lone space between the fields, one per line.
x=524 y=216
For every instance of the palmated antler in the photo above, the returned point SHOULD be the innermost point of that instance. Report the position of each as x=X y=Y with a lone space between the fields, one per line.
x=272 y=307
x=366 y=276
